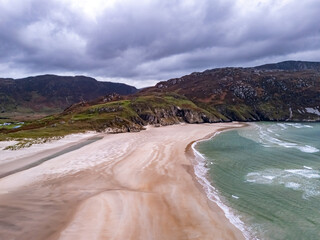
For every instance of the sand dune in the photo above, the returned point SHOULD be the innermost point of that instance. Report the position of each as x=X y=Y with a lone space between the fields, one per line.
x=125 y=186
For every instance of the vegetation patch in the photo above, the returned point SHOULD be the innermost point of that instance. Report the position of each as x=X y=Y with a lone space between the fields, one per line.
x=28 y=142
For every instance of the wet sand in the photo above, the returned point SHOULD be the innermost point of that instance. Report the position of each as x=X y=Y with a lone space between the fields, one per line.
x=124 y=186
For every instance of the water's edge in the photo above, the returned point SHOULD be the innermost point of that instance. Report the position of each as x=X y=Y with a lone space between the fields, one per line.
x=201 y=172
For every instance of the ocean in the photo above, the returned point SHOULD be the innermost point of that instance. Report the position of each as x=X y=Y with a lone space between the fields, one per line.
x=266 y=178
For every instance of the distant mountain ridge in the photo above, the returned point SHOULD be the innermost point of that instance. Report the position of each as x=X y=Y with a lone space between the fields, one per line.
x=47 y=94
x=291 y=66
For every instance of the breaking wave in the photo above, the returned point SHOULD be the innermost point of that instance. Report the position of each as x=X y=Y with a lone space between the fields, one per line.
x=305 y=180
x=269 y=136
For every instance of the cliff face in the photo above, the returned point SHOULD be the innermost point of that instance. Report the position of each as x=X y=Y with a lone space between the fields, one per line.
x=175 y=114
x=138 y=111
x=158 y=117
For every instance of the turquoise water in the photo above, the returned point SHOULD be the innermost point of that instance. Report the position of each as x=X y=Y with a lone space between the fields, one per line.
x=269 y=175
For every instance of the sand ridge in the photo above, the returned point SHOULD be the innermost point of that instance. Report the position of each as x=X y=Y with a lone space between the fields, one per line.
x=125 y=186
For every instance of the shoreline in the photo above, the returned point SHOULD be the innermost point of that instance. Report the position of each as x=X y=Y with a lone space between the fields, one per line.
x=201 y=174
x=125 y=186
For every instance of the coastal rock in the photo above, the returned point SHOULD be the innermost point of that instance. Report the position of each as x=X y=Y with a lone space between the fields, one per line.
x=174 y=115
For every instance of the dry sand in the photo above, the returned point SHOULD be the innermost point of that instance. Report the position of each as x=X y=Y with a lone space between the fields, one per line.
x=44 y=149
x=124 y=186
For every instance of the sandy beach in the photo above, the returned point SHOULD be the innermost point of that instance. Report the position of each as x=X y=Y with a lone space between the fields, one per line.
x=124 y=186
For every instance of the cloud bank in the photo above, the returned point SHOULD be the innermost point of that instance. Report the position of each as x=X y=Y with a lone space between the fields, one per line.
x=142 y=42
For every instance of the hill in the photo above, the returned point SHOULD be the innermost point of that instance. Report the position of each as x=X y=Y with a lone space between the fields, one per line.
x=250 y=94
x=49 y=94
x=217 y=95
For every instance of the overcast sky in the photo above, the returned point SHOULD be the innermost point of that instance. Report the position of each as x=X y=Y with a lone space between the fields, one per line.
x=141 y=42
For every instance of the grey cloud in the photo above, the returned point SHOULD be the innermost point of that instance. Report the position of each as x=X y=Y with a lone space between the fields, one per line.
x=155 y=32
x=145 y=40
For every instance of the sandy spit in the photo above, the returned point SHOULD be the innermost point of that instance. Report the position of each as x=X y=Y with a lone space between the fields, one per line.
x=124 y=186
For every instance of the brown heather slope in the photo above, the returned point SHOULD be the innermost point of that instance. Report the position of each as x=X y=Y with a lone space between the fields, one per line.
x=250 y=94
